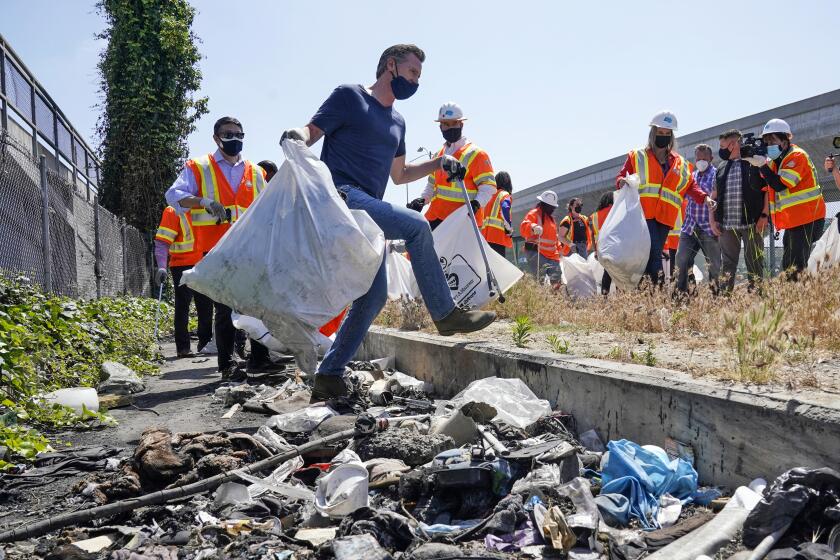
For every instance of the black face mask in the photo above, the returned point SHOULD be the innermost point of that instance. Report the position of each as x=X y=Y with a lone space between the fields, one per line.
x=578 y=209
x=662 y=140
x=232 y=147
x=452 y=135
x=724 y=153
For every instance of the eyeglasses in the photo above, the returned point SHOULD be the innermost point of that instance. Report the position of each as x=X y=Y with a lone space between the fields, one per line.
x=232 y=135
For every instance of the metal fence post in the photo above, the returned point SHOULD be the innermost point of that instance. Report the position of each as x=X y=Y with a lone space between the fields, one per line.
x=97 y=250
x=124 y=267
x=45 y=226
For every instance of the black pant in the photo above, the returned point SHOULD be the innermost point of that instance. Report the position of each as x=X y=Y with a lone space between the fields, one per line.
x=435 y=223
x=225 y=335
x=203 y=308
x=606 y=283
x=501 y=249
x=259 y=353
x=797 y=244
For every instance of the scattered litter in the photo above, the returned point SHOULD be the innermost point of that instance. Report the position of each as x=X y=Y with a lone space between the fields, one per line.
x=514 y=402
x=233 y=410
x=118 y=379
x=316 y=536
x=77 y=398
x=95 y=544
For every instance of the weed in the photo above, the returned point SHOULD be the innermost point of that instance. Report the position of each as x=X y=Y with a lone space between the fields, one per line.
x=559 y=345
x=521 y=331
x=646 y=358
x=758 y=339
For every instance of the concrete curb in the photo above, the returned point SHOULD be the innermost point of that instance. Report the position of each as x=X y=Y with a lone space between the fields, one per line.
x=737 y=435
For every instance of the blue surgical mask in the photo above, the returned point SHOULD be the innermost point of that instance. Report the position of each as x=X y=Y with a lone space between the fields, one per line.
x=402 y=88
x=773 y=151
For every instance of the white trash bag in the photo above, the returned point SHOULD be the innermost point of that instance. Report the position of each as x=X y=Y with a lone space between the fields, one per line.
x=462 y=264
x=515 y=403
x=256 y=330
x=624 y=241
x=826 y=251
x=296 y=258
x=578 y=277
x=401 y=281
x=344 y=489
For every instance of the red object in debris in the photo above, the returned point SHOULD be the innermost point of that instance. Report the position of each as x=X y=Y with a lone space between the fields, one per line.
x=330 y=328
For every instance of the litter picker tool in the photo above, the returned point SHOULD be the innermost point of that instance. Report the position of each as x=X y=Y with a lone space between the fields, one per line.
x=492 y=283
x=157 y=309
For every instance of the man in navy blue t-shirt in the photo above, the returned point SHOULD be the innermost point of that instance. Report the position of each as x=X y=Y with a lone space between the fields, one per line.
x=364 y=144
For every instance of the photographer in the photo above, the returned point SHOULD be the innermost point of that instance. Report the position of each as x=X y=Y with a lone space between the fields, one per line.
x=796 y=200
x=741 y=214
x=573 y=231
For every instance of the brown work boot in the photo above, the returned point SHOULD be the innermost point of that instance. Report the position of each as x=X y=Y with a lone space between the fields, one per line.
x=329 y=387
x=461 y=321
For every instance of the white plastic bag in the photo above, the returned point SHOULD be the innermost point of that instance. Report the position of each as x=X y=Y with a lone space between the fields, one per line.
x=624 y=241
x=401 y=281
x=460 y=257
x=514 y=402
x=826 y=250
x=578 y=277
x=296 y=258
x=256 y=330
x=304 y=420
x=345 y=488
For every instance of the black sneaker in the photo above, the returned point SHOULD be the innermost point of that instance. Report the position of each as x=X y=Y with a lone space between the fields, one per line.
x=462 y=321
x=233 y=372
x=328 y=387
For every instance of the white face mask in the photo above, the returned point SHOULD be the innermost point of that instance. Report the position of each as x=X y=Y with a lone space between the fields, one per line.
x=702 y=165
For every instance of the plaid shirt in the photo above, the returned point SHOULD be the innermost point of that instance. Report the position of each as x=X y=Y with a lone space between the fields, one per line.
x=733 y=198
x=697 y=215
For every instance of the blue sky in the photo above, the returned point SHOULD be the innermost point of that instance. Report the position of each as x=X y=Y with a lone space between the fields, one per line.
x=548 y=86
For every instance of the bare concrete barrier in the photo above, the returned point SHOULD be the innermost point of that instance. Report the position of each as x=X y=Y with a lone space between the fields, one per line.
x=737 y=434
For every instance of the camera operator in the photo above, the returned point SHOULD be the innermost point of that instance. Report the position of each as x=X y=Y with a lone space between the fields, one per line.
x=796 y=201
x=830 y=167
x=741 y=214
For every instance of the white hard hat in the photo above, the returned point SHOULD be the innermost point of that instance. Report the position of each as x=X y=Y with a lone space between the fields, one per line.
x=450 y=112
x=549 y=197
x=775 y=125
x=664 y=119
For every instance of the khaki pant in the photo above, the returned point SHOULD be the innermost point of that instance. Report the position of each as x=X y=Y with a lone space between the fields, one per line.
x=730 y=249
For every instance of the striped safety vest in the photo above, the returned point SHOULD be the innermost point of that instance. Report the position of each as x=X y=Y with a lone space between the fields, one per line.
x=176 y=231
x=448 y=195
x=494 y=221
x=802 y=201
x=661 y=197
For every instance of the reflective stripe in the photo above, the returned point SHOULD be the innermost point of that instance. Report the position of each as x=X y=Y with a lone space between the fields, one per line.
x=649 y=190
x=790 y=177
x=494 y=219
x=452 y=191
x=786 y=199
x=454 y=194
x=207 y=188
x=652 y=190
x=187 y=243
x=485 y=179
x=671 y=197
x=166 y=233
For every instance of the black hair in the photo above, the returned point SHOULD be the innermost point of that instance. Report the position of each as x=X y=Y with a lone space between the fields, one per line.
x=546 y=208
x=224 y=121
x=268 y=165
x=606 y=200
x=398 y=53
x=503 y=181
x=574 y=201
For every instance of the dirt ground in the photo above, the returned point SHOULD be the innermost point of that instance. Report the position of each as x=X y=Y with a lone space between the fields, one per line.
x=695 y=355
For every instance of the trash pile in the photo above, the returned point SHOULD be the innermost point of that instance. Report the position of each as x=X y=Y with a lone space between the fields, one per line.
x=391 y=473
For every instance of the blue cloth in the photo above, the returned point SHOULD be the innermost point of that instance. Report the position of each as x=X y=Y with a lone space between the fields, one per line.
x=185 y=185
x=361 y=138
x=643 y=477
x=396 y=222
x=506 y=210
x=614 y=509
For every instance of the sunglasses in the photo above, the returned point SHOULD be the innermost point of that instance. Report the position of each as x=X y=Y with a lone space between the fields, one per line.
x=232 y=135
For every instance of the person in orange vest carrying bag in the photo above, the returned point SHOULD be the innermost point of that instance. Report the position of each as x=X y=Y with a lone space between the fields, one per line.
x=216 y=189
x=497 y=225
x=542 y=248
x=797 y=205
x=444 y=196
x=176 y=251
x=573 y=231
x=596 y=221
x=665 y=178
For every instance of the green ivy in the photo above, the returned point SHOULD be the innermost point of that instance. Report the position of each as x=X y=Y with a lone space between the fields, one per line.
x=50 y=342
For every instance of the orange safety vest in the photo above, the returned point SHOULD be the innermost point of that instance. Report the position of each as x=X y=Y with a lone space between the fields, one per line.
x=673 y=240
x=547 y=243
x=661 y=196
x=448 y=196
x=597 y=221
x=802 y=201
x=570 y=233
x=176 y=231
x=213 y=184
x=494 y=221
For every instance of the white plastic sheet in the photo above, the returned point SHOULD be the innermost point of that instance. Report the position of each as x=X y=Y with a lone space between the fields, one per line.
x=296 y=258
x=826 y=250
x=578 y=277
x=303 y=420
x=514 y=402
x=462 y=264
x=624 y=241
x=344 y=489
x=256 y=330
x=401 y=281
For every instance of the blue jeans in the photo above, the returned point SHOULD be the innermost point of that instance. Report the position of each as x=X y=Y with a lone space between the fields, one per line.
x=396 y=222
x=658 y=236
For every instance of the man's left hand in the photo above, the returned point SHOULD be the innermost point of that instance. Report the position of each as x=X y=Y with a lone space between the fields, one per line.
x=711 y=203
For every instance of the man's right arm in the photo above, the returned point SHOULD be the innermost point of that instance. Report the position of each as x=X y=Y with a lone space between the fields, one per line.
x=309 y=134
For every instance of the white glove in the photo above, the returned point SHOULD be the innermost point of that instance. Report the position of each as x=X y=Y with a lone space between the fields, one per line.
x=295 y=134
x=537 y=229
x=160 y=276
x=757 y=161
x=215 y=208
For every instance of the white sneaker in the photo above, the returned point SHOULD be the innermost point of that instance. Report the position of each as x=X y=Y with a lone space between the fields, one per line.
x=209 y=348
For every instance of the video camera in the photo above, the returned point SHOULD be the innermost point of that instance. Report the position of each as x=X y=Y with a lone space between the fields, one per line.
x=752 y=146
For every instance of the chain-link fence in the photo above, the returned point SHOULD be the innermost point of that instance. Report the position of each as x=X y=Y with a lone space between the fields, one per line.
x=75 y=248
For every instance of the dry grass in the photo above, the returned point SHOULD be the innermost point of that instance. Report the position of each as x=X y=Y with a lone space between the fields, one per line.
x=786 y=323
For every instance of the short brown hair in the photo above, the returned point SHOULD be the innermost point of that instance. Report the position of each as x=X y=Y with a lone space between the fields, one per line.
x=398 y=53
x=704 y=148
x=731 y=133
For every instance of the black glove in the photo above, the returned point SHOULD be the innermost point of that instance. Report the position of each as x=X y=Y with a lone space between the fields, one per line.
x=416 y=204
x=475 y=206
x=453 y=168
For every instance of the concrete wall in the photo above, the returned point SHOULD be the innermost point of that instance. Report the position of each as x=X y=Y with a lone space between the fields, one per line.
x=736 y=434
x=814 y=122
